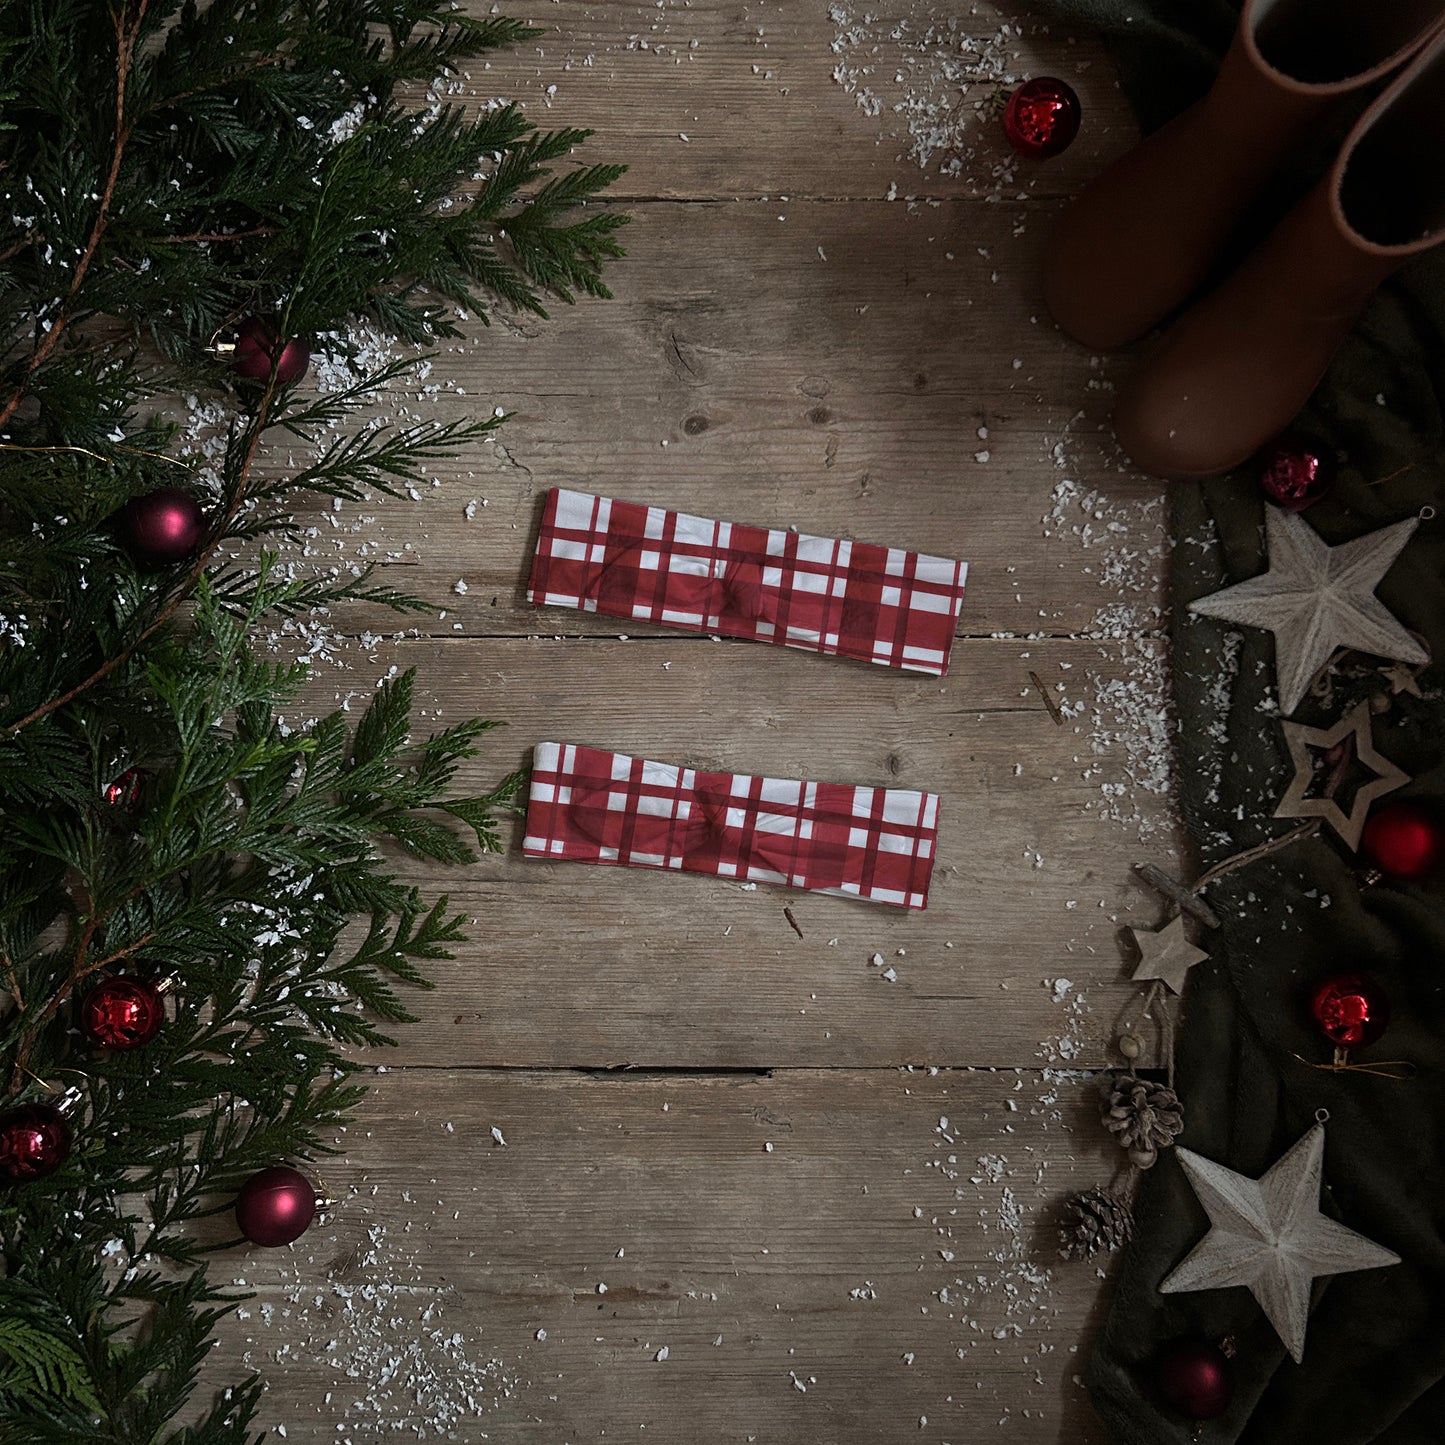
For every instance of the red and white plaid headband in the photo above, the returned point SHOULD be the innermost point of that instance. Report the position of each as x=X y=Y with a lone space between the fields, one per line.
x=591 y=806
x=852 y=599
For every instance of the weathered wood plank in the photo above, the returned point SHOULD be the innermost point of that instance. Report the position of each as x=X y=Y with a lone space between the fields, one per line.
x=758 y=98
x=575 y=964
x=740 y=374
x=892 y=1253
x=877 y=1269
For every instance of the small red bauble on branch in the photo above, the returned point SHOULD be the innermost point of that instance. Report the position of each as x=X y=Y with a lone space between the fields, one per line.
x=1405 y=840
x=259 y=346
x=34 y=1141
x=123 y=1012
x=1194 y=1378
x=1350 y=1010
x=276 y=1206
x=125 y=791
x=1042 y=117
x=1295 y=471
x=163 y=527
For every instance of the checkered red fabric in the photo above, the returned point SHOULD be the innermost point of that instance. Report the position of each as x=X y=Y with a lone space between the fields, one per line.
x=591 y=806
x=853 y=599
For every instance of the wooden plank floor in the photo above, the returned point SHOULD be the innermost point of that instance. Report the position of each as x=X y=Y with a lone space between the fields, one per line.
x=652 y=1166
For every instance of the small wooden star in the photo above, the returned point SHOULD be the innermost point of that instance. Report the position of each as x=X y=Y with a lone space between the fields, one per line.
x=1401 y=679
x=1354 y=729
x=1166 y=955
x=1268 y=1235
x=1316 y=598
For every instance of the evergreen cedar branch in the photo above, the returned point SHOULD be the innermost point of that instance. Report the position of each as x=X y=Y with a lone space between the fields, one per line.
x=168 y=169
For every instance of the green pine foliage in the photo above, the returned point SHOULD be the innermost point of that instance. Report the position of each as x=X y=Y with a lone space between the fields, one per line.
x=169 y=170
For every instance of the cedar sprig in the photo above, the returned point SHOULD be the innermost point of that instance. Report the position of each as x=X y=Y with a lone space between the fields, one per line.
x=168 y=168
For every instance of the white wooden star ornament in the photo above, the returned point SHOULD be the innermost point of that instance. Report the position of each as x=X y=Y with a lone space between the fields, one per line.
x=1316 y=598
x=1268 y=1235
x=1166 y=955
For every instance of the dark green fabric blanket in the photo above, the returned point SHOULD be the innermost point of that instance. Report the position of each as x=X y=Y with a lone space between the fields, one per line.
x=1374 y=1363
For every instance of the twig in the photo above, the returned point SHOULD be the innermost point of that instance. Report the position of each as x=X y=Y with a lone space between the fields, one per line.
x=1048 y=698
x=1185 y=897
x=125 y=39
x=1241 y=860
x=792 y=922
x=199 y=236
x=183 y=589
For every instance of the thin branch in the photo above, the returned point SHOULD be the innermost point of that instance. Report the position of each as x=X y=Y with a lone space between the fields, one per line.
x=182 y=590
x=218 y=236
x=125 y=40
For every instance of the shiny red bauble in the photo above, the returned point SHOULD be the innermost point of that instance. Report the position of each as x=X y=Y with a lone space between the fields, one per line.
x=1350 y=1010
x=34 y=1142
x=1194 y=1378
x=259 y=347
x=1295 y=472
x=125 y=791
x=162 y=527
x=275 y=1206
x=1042 y=117
x=1404 y=840
x=123 y=1013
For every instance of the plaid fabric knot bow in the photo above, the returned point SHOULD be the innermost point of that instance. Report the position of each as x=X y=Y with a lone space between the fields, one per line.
x=592 y=806
x=824 y=594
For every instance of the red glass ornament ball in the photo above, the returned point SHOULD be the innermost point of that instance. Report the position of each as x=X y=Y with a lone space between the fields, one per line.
x=259 y=346
x=275 y=1206
x=123 y=1013
x=1295 y=471
x=124 y=791
x=34 y=1142
x=1350 y=1010
x=162 y=527
x=1042 y=117
x=1194 y=1378
x=1405 y=840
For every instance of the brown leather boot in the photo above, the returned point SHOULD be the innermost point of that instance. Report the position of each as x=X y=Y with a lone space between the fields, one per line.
x=1238 y=366
x=1142 y=236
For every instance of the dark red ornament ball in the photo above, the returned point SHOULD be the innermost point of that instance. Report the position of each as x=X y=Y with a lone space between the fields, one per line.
x=34 y=1142
x=275 y=1206
x=125 y=791
x=259 y=346
x=1194 y=1378
x=1295 y=471
x=123 y=1013
x=1042 y=117
x=1350 y=1009
x=1405 y=840
x=162 y=527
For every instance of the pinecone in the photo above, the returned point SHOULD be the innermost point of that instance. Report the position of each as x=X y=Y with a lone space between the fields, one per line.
x=1094 y=1220
x=1143 y=1117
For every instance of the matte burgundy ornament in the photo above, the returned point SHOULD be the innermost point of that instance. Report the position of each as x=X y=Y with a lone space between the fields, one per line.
x=34 y=1141
x=163 y=527
x=259 y=346
x=1042 y=117
x=1405 y=840
x=1295 y=471
x=276 y=1206
x=1194 y=1378
x=1351 y=1010
x=123 y=1013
